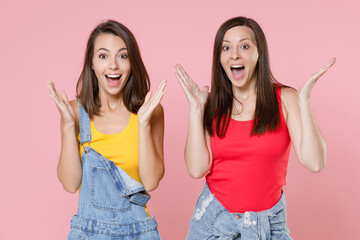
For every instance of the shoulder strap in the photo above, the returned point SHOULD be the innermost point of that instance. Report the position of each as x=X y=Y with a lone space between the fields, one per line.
x=84 y=123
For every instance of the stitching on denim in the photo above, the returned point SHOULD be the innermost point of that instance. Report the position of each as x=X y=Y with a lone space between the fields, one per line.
x=95 y=204
x=106 y=233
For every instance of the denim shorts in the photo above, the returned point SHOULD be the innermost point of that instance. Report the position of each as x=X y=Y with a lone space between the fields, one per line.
x=212 y=221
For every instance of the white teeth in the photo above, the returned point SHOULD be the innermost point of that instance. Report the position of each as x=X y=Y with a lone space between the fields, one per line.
x=113 y=76
x=237 y=66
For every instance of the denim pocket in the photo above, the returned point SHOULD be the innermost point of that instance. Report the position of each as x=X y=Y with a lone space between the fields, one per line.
x=104 y=193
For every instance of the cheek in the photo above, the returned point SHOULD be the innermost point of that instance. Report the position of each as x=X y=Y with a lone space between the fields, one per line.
x=255 y=57
x=125 y=66
x=98 y=66
x=128 y=68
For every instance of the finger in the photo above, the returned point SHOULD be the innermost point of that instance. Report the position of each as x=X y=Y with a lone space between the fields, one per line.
x=64 y=97
x=66 y=102
x=182 y=73
x=161 y=87
x=55 y=99
x=147 y=97
x=60 y=100
x=155 y=99
x=206 y=89
x=53 y=91
x=187 y=78
x=183 y=85
x=181 y=79
x=59 y=104
x=324 y=69
x=159 y=93
x=331 y=62
x=51 y=86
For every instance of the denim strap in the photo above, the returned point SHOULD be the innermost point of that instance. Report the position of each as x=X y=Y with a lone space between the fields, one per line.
x=84 y=122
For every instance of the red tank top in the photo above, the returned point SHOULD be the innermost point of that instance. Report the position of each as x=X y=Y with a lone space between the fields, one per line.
x=248 y=172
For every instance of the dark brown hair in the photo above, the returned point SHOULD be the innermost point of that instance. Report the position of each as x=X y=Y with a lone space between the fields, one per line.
x=220 y=103
x=138 y=83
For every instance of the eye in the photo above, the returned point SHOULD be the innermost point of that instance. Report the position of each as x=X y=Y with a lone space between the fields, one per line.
x=226 y=48
x=123 y=56
x=245 y=46
x=102 y=56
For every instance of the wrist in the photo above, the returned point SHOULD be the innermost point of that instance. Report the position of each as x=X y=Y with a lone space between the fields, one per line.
x=143 y=124
x=67 y=127
x=303 y=100
x=197 y=108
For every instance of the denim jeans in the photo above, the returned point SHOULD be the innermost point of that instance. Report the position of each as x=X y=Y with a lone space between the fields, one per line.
x=212 y=221
x=111 y=203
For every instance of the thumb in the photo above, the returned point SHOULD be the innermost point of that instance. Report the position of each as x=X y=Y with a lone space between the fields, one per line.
x=147 y=97
x=206 y=89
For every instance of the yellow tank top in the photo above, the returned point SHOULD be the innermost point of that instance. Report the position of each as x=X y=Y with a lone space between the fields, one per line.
x=122 y=148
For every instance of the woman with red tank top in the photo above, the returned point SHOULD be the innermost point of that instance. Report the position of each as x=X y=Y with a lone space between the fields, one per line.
x=240 y=134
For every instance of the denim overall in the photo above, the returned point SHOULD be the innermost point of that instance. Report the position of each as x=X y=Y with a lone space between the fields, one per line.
x=212 y=221
x=111 y=203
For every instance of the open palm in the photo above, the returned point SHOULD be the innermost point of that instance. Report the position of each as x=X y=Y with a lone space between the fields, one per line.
x=305 y=91
x=194 y=95
x=63 y=105
x=150 y=103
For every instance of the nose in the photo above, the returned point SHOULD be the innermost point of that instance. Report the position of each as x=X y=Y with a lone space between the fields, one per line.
x=235 y=54
x=113 y=64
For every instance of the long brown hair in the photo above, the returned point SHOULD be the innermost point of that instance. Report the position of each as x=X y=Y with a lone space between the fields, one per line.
x=138 y=83
x=220 y=102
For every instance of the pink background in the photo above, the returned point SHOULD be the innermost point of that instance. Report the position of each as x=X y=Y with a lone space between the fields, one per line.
x=43 y=40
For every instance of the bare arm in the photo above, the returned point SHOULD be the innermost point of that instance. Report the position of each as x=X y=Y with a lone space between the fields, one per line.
x=198 y=155
x=69 y=168
x=309 y=144
x=151 y=137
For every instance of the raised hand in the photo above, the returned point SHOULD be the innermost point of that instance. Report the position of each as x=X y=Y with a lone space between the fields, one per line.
x=195 y=97
x=150 y=103
x=305 y=91
x=63 y=105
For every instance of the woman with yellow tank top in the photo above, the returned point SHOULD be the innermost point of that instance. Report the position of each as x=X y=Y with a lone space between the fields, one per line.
x=117 y=126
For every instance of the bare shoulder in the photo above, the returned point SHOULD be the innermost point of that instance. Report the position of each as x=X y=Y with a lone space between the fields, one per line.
x=159 y=112
x=288 y=96
x=288 y=100
x=75 y=106
x=288 y=93
x=157 y=119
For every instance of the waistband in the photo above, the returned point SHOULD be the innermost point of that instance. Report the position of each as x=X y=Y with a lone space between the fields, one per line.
x=278 y=207
x=111 y=228
x=211 y=218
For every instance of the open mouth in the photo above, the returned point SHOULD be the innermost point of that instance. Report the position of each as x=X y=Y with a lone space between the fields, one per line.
x=113 y=80
x=237 y=71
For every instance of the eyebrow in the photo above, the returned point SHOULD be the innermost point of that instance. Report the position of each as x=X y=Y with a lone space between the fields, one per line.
x=107 y=50
x=241 y=40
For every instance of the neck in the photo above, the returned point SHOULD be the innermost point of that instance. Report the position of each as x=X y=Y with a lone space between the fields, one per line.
x=245 y=92
x=110 y=103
